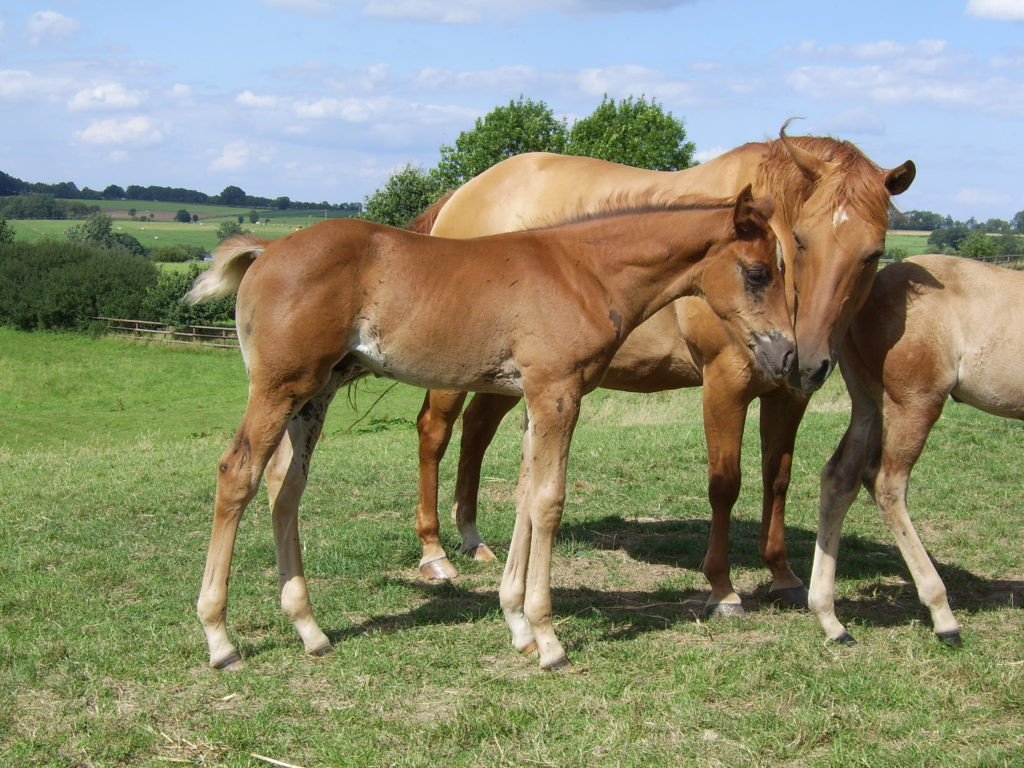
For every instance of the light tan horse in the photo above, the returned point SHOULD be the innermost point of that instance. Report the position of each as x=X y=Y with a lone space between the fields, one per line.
x=933 y=327
x=535 y=314
x=830 y=217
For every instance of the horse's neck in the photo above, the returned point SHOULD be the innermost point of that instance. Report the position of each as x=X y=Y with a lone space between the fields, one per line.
x=654 y=259
x=723 y=176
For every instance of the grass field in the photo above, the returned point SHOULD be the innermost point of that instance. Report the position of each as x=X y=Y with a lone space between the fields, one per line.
x=106 y=491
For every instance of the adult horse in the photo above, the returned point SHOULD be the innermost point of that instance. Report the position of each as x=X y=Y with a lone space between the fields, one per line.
x=933 y=327
x=830 y=218
x=534 y=314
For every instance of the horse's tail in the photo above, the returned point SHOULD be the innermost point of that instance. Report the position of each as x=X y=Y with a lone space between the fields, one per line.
x=425 y=221
x=233 y=258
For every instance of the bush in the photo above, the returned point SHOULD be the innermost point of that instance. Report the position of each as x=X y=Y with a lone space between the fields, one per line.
x=176 y=253
x=163 y=302
x=53 y=284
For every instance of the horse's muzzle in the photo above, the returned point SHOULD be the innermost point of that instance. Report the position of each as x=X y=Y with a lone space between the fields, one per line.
x=775 y=354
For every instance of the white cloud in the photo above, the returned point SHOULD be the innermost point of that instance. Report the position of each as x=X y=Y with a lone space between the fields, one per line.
x=304 y=7
x=857 y=120
x=22 y=84
x=179 y=91
x=440 y=11
x=106 y=96
x=49 y=27
x=1000 y=10
x=252 y=100
x=138 y=131
x=237 y=155
x=514 y=77
x=633 y=80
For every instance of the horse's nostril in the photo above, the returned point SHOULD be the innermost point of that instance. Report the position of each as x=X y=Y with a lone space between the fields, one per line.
x=821 y=373
x=787 y=362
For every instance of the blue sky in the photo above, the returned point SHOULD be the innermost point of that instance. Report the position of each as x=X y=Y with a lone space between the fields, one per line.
x=323 y=99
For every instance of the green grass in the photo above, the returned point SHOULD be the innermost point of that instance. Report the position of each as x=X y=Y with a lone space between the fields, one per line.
x=106 y=485
x=914 y=244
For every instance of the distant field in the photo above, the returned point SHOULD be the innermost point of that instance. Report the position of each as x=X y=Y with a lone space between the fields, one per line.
x=913 y=242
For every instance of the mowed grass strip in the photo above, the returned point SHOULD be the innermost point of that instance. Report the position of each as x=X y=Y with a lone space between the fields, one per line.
x=106 y=492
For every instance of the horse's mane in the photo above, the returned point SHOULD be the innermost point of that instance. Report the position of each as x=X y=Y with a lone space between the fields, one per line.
x=650 y=200
x=856 y=184
x=425 y=221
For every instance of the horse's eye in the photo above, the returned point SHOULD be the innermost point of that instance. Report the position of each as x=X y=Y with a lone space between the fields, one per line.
x=758 y=275
x=799 y=242
x=873 y=257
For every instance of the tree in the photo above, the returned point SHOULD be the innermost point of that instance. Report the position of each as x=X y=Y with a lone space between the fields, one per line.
x=113 y=192
x=282 y=203
x=522 y=126
x=6 y=232
x=229 y=228
x=232 y=195
x=183 y=216
x=633 y=132
x=978 y=245
x=1018 y=221
x=254 y=216
x=403 y=197
x=949 y=239
x=97 y=232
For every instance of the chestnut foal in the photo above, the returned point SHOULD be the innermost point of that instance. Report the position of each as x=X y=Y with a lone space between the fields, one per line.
x=536 y=314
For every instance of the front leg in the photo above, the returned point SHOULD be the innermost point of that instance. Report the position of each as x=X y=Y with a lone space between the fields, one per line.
x=781 y=412
x=552 y=414
x=725 y=412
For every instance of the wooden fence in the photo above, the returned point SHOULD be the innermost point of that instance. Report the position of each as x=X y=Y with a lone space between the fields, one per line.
x=210 y=335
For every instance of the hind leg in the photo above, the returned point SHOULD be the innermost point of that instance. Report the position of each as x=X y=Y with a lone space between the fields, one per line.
x=906 y=426
x=434 y=427
x=287 y=474
x=479 y=424
x=267 y=414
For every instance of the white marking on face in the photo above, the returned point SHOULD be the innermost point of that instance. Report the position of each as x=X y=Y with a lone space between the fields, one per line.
x=839 y=217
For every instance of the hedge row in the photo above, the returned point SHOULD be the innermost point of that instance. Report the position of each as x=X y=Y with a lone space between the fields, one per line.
x=61 y=285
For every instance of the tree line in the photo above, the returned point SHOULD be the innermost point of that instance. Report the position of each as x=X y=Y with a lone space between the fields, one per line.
x=230 y=195
x=971 y=239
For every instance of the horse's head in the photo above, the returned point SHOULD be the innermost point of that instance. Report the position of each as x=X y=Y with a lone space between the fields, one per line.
x=744 y=284
x=832 y=236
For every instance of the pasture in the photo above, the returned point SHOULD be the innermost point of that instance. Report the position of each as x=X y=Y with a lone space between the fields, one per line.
x=106 y=496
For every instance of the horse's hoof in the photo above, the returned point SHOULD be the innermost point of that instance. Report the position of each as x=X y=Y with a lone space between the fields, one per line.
x=789 y=597
x=323 y=650
x=530 y=649
x=723 y=610
x=440 y=568
x=844 y=639
x=951 y=638
x=558 y=665
x=482 y=554
x=229 y=663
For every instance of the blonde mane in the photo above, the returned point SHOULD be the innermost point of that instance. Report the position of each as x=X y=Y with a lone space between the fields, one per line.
x=856 y=183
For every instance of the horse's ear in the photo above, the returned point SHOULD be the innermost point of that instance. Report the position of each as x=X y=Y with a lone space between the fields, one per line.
x=810 y=165
x=749 y=216
x=899 y=178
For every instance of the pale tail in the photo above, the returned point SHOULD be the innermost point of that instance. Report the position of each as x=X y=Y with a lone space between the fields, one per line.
x=233 y=258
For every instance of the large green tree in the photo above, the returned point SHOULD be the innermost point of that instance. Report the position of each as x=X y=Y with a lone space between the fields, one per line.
x=521 y=126
x=403 y=197
x=633 y=132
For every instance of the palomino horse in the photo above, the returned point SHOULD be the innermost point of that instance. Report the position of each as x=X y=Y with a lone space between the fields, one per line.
x=830 y=217
x=535 y=314
x=925 y=333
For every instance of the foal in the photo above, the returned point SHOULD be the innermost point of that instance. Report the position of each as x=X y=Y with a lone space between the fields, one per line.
x=926 y=333
x=536 y=314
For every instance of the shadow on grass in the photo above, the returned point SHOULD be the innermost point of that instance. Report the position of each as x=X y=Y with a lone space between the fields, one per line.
x=680 y=543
